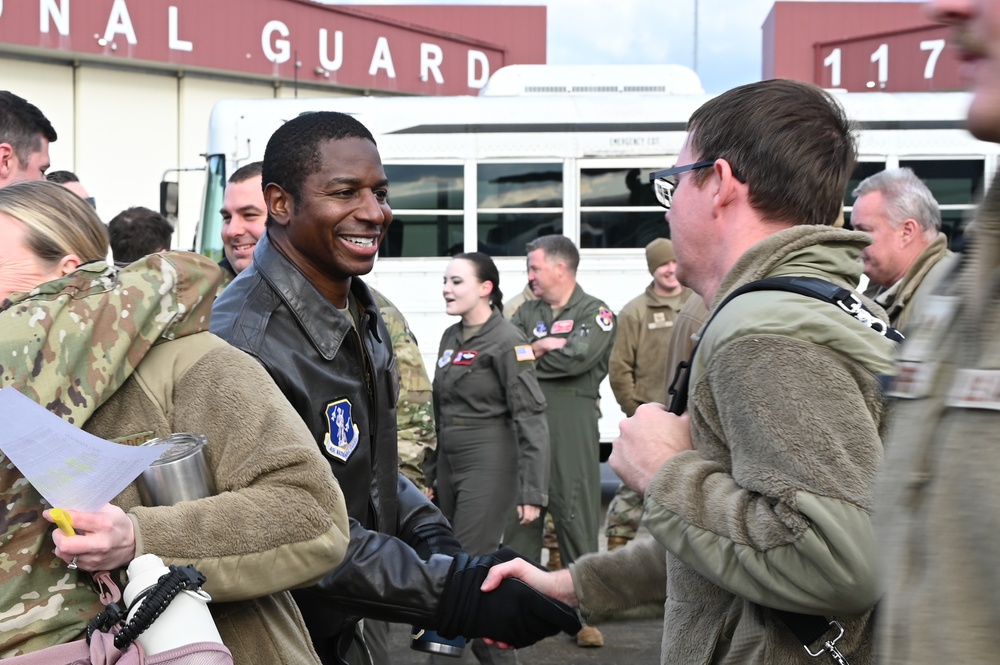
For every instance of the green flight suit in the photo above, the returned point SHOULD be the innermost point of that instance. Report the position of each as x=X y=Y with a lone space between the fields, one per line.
x=570 y=379
x=493 y=435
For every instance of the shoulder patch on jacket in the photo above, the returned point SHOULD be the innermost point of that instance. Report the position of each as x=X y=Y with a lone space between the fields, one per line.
x=523 y=352
x=605 y=319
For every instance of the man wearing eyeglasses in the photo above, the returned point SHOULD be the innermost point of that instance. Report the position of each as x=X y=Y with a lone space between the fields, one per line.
x=761 y=493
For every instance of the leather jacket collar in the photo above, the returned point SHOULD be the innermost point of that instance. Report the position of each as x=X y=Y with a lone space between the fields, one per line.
x=322 y=322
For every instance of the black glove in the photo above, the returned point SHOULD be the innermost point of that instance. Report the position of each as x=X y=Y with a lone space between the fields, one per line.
x=428 y=539
x=513 y=613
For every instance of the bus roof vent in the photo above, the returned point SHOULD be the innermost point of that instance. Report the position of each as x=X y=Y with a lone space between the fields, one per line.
x=545 y=89
x=524 y=80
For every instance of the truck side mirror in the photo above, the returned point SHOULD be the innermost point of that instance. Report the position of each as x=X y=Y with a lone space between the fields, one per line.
x=168 y=199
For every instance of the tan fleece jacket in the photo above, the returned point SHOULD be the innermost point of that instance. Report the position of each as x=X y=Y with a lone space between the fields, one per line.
x=938 y=519
x=771 y=508
x=278 y=520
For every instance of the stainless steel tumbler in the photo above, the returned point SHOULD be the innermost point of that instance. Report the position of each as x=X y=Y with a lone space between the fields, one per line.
x=180 y=474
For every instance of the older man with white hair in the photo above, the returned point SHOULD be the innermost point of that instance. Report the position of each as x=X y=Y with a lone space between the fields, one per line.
x=909 y=254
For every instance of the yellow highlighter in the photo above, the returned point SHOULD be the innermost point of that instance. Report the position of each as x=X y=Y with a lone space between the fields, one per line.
x=65 y=524
x=63 y=521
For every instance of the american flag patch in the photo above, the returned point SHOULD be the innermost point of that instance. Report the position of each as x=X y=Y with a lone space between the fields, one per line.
x=524 y=352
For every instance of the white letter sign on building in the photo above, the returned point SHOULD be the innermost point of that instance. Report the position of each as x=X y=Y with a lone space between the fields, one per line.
x=324 y=50
x=382 y=59
x=59 y=15
x=284 y=47
x=431 y=56
x=478 y=58
x=176 y=43
x=119 y=23
x=423 y=50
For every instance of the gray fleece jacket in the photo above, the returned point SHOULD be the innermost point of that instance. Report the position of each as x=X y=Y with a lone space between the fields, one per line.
x=771 y=509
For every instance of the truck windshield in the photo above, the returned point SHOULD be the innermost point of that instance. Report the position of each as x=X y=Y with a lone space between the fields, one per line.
x=210 y=234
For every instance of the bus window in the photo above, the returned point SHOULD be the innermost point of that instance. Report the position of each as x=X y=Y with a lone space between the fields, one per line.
x=412 y=235
x=506 y=234
x=520 y=186
x=617 y=230
x=952 y=223
x=616 y=187
x=861 y=171
x=618 y=209
x=425 y=186
x=953 y=181
x=426 y=200
x=516 y=204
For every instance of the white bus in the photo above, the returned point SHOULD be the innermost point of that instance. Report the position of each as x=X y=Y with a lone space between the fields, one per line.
x=490 y=173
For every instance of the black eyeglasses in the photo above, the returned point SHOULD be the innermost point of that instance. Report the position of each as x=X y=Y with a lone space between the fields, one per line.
x=664 y=182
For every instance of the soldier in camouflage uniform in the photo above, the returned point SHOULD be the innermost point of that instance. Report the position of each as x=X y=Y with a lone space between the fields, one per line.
x=414 y=408
x=126 y=313
x=73 y=344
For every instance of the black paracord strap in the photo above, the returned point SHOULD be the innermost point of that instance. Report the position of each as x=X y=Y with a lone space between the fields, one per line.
x=104 y=621
x=155 y=600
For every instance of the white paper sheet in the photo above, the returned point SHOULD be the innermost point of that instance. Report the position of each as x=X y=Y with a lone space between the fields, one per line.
x=69 y=467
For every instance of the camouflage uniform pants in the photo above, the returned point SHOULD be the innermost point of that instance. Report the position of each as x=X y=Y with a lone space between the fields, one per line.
x=624 y=513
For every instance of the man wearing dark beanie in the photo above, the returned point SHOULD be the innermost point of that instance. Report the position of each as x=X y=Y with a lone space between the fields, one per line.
x=638 y=367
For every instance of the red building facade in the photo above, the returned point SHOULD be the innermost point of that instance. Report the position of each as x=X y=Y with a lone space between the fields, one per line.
x=859 y=46
x=430 y=50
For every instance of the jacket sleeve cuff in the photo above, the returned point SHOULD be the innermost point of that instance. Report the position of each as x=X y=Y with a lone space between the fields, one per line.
x=606 y=584
x=140 y=546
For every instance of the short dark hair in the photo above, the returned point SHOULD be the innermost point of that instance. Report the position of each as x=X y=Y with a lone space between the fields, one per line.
x=136 y=232
x=557 y=247
x=247 y=172
x=23 y=126
x=791 y=143
x=486 y=271
x=61 y=177
x=292 y=153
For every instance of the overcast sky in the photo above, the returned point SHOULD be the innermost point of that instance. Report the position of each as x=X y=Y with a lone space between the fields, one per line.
x=584 y=32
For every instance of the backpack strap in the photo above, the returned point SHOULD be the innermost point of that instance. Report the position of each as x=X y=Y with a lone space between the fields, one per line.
x=811 y=287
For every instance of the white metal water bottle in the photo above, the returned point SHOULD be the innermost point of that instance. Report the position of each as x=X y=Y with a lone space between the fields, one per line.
x=185 y=621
